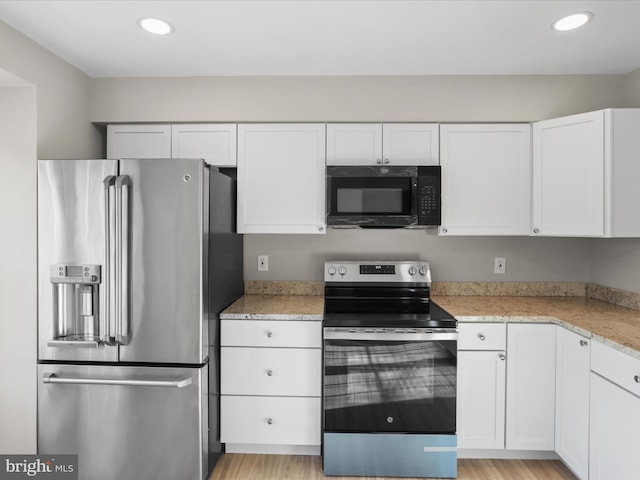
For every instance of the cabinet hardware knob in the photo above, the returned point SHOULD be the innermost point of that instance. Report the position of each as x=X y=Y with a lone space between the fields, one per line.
x=637 y=378
x=536 y=230
x=481 y=337
x=583 y=343
x=444 y=230
x=270 y=421
x=386 y=161
x=320 y=228
x=502 y=356
x=270 y=372
x=379 y=161
x=269 y=334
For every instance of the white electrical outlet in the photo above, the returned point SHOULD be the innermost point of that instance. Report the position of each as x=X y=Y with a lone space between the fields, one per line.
x=263 y=263
x=500 y=266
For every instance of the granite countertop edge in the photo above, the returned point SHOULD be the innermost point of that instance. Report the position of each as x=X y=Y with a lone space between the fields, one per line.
x=310 y=308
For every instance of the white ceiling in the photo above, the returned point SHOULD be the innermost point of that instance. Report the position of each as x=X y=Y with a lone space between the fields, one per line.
x=333 y=37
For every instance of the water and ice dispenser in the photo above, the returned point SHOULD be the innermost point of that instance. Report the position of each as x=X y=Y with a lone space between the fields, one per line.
x=76 y=317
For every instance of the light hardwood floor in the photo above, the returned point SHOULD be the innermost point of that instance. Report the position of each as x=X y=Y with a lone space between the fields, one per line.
x=234 y=466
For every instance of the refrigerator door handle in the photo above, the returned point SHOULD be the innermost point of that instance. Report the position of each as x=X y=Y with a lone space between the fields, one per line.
x=108 y=321
x=122 y=260
x=173 y=383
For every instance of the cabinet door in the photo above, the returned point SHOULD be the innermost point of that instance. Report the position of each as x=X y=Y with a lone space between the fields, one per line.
x=568 y=176
x=354 y=144
x=614 y=432
x=138 y=141
x=215 y=143
x=281 y=178
x=531 y=373
x=410 y=144
x=486 y=179
x=481 y=399
x=572 y=400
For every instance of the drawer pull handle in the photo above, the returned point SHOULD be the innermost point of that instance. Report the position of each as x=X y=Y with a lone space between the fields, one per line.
x=269 y=334
x=637 y=378
x=583 y=343
x=270 y=372
x=269 y=421
x=502 y=356
x=481 y=337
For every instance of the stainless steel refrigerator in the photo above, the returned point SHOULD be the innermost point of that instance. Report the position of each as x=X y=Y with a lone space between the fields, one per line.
x=136 y=258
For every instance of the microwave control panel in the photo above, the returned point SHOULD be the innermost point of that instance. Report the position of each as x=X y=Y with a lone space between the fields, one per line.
x=429 y=191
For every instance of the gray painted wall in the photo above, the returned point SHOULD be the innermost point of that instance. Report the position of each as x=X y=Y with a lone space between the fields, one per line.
x=435 y=98
x=44 y=114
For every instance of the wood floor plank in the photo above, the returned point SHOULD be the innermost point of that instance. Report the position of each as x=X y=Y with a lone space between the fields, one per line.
x=235 y=466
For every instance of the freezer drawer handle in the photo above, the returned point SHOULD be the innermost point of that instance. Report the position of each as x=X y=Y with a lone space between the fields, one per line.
x=180 y=383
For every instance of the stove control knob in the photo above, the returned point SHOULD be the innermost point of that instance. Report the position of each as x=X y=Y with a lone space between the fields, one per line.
x=332 y=270
x=422 y=271
x=412 y=270
x=342 y=270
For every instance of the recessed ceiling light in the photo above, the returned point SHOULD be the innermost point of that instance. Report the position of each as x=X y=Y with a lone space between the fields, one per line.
x=571 y=22
x=155 y=25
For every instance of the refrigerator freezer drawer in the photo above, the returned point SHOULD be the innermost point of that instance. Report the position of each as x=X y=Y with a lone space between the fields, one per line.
x=125 y=422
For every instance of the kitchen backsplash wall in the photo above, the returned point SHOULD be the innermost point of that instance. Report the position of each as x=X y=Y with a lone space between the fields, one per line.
x=452 y=259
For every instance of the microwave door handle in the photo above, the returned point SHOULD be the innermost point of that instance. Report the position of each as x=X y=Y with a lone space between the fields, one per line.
x=122 y=260
x=107 y=321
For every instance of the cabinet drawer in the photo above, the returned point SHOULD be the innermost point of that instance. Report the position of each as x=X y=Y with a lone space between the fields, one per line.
x=271 y=333
x=616 y=366
x=482 y=336
x=271 y=371
x=271 y=420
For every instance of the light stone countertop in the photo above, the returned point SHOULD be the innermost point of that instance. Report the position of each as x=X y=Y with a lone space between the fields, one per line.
x=275 y=307
x=616 y=326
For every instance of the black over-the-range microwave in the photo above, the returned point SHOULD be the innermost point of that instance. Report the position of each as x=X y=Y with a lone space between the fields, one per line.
x=383 y=196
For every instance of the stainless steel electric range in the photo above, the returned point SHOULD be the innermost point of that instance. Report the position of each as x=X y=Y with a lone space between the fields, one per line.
x=389 y=361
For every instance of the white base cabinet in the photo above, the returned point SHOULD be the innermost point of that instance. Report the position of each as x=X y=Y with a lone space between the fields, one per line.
x=572 y=401
x=481 y=385
x=614 y=415
x=481 y=399
x=531 y=373
x=270 y=385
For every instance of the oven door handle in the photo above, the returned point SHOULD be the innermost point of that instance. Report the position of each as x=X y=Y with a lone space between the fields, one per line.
x=391 y=336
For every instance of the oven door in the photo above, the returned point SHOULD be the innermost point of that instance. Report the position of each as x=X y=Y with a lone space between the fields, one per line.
x=389 y=380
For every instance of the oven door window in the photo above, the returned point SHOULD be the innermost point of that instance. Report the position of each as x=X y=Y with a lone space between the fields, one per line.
x=371 y=196
x=390 y=386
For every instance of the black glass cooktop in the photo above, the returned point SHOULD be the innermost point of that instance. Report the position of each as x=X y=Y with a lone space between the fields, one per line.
x=436 y=318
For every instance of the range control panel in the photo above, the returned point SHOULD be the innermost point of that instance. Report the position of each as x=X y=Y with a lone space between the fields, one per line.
x=416 y=271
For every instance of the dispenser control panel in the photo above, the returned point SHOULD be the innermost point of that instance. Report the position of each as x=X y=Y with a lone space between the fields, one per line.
x=64 y=273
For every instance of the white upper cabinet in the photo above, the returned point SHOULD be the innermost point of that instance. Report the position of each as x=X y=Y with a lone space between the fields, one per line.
x=585 y=173
x=214 y=142
x=486 y=179
x=281 y=178
x=139 y=141
x=410 y=144
x=382 y=144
